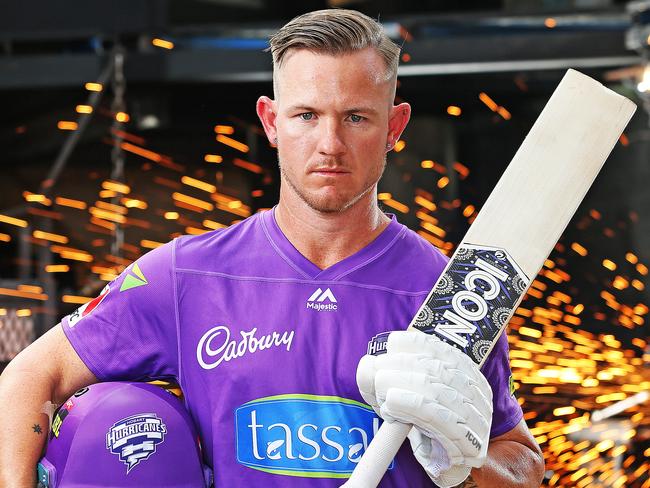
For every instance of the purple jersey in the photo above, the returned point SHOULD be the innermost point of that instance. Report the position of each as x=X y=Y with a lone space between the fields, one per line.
x=265 y=346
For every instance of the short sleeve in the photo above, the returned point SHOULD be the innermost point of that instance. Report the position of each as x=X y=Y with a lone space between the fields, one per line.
x=507 y=411
x=129 y=332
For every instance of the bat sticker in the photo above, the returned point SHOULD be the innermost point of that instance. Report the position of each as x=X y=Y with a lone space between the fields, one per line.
x=473 y=299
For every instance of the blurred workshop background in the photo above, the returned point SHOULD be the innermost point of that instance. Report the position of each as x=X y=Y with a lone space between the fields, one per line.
x=127 y=123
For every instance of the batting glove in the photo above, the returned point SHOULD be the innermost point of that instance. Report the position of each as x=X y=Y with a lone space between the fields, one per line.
x=433 y=386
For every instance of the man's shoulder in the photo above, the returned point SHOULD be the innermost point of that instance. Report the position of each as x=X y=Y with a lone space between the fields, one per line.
x=418 y=255
x=205 y=251
x=418 y=245
x=410 y=264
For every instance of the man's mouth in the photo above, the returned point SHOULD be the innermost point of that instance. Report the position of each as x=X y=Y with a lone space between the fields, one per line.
x=330 y=171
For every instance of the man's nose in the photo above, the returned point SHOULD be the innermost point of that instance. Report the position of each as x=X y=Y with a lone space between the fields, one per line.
x=330 y=138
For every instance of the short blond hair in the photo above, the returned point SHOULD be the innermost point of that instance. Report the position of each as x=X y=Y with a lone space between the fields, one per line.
x=334 y=32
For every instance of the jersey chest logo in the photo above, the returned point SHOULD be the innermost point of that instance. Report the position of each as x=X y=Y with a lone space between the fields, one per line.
x=322 y=301
x=217 y=346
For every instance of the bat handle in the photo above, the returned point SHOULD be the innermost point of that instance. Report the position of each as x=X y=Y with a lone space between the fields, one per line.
x=378 y=456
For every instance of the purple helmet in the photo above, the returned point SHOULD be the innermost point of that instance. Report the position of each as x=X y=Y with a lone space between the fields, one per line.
x=123 y=435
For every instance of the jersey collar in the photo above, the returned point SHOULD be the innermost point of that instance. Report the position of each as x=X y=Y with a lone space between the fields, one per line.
x=309 y=270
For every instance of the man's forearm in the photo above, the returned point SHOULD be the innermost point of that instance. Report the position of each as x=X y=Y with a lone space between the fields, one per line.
x=23 y=425
x=510 y=464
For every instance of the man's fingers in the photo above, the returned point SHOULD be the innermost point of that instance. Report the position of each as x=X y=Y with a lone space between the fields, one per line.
x=435 y=368
x=422 y=375
x=366 y=372
x=446 y=410
x=411 y=342
x=438 y=420
x=434 y=386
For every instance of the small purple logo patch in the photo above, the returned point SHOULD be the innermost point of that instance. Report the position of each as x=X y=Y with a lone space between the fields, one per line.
x=377 y=344
x=135 y=438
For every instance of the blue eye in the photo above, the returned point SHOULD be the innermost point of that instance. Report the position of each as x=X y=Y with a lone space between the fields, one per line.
x=356 y=118
x=307 y=116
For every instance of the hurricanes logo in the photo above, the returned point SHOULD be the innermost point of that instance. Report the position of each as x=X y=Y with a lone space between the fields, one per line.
x=378 y=344
x=317 y=301
x=135 y=438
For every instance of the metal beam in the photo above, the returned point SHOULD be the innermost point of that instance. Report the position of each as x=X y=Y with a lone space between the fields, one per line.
x=451 y=46
x=521 y=65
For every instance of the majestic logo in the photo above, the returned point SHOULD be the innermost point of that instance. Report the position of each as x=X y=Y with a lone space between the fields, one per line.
x=86 y=308
x=216 y=346
x=377 y=344
x=135 y=438
x=134 y=278
x=317 y=301
x=304 y=435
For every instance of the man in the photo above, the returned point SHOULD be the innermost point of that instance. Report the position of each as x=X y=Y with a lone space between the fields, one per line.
x=263 y=323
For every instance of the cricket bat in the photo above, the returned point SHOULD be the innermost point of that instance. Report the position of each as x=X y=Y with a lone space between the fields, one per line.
x=513 y=234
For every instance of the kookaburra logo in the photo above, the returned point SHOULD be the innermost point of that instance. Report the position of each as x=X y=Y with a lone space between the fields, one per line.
x=135 y=438
x=468 y=305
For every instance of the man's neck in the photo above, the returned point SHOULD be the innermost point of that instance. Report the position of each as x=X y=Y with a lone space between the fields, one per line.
x=327 y=238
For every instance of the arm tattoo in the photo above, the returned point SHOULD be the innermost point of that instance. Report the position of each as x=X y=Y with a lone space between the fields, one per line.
x=37 y=429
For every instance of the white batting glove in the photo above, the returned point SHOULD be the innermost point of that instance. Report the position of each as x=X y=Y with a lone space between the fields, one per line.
x=440 y=391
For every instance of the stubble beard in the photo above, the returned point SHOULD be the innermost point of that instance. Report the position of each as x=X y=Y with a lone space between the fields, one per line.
x=330 y=205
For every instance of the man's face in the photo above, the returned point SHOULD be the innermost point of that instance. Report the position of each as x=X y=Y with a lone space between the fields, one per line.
x=332 y=117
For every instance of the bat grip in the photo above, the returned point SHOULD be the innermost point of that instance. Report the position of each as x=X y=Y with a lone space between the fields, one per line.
x=378 y=456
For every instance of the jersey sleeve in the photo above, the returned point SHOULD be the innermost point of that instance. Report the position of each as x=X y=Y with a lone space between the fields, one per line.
x=129 y=331
x=507 y=411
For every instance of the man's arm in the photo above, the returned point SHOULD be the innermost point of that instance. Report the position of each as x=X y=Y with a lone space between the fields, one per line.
x=47 y=370
x=514 y=460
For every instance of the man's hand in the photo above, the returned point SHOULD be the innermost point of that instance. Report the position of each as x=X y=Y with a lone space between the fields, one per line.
x=440 y=391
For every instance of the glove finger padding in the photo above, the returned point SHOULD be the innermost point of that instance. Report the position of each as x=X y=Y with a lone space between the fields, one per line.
x=366 y=372
x=463 y=444
x=422 y=374
x=413 y=342
x=449 y=399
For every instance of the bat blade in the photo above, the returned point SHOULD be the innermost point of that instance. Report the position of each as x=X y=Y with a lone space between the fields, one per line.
x=513 y=234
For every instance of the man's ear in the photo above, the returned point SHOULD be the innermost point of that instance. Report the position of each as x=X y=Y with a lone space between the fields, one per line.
x=266 y=112
x=399 y=117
